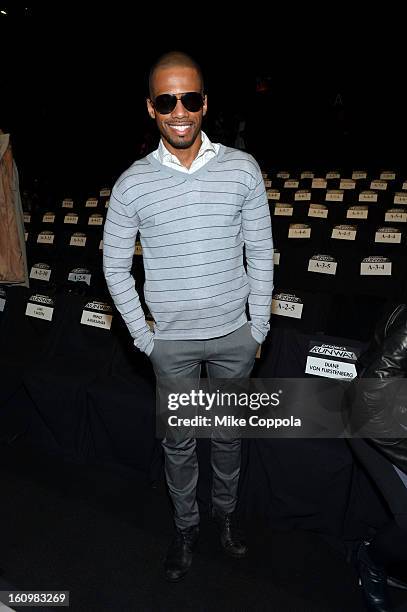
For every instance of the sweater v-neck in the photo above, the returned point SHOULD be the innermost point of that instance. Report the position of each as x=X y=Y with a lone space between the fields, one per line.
x=188 y=175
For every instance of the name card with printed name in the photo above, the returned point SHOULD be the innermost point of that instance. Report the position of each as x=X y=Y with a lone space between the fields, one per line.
x=48 y=218
x=27 y=217
x=283 y=210
x=307 y=175
x=329 y=368
x=80 y=276
x=276 y=257
x=39 y=311
x=318 y=210
x=380 y=185
x=40 y=273
x=67 y=203
x=368 y=196
x=357 y=212
x=104 y=193
x=72 y=219
x=77 y=240
x=91 y=203
x=388 y=235
x=45 y=238
x=298 y=230
x=322 y=265
x=347 y=184
x=375 y=266
x=398 y=216
x=273 y=194
x=291 y=184
x=286 y=308
x=302 y=195
x=318 y=183
x=334 y=195
x=333 y=175
x=95 y=220
x=283 y=175
x=387 y=176
x=400 y=198
x=344 y=232
x=359 y=174
x=96 y=318
x=267 y=183
x=138 y=250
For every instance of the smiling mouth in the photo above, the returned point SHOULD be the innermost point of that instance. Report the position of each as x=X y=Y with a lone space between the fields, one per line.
x=181 y=128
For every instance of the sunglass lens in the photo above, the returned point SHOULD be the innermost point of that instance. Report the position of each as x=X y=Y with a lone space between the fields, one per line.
x=165 y=103
x=192 y=101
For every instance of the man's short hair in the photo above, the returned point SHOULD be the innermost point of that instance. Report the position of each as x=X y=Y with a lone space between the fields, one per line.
x=174 y=59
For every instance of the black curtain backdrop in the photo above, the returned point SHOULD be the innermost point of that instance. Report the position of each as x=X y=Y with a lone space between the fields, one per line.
x=74 y=85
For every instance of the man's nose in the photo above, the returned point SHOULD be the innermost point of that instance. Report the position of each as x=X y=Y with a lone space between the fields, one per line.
x=180 y=110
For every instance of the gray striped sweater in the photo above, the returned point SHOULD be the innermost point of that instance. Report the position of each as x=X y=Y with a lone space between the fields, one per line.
x=193 y=228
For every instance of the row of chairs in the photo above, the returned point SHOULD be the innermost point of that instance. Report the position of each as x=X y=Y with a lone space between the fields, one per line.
x=73 y=258
x=363 y=213
x=90 y=218
x=334 y=209
x=342 y=274
x=337 y=196
x=363 y=177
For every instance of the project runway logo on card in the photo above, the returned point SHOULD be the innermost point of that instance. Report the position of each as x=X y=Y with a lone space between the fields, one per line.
x=334 y=351
x=96 y=305
x=287 y=297
x=41 y=299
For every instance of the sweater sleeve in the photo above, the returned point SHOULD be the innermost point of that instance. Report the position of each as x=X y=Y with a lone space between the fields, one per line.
x=119 y=237
x=257 y=236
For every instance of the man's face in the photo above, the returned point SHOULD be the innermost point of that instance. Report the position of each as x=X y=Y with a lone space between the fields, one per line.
x=180 y=128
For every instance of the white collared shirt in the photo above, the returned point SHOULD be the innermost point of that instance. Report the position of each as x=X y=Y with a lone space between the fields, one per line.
x=207 y=151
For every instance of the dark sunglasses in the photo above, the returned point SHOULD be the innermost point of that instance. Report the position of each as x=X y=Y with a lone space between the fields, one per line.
x=193 y=101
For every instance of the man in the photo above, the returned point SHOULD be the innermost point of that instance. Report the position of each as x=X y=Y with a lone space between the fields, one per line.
x=195 y=205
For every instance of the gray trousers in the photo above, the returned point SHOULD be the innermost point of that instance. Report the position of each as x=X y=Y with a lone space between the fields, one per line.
x=230 y=356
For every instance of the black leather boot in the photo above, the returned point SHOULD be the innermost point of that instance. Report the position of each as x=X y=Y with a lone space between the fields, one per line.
x=373 y=579
x=179 y=556
x=231 y=538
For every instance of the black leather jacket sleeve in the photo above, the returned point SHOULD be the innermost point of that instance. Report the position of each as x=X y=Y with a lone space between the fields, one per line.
x=379 y=409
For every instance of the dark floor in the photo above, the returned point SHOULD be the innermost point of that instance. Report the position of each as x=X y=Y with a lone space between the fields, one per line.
x=102 y=532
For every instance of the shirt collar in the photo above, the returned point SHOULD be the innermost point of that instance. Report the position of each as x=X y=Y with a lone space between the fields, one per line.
x=165 y=155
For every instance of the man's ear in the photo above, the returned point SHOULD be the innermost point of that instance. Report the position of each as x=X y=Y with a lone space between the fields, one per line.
x=150 y=108
x=205 y=106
